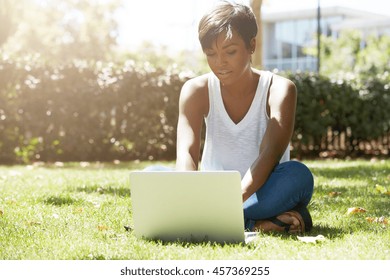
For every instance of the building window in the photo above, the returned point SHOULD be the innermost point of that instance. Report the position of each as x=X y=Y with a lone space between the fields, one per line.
x=292 y=37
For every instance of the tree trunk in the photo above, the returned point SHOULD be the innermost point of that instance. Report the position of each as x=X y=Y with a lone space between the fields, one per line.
x=257 y=59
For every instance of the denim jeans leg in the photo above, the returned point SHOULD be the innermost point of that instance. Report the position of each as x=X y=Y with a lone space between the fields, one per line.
x=290 y=183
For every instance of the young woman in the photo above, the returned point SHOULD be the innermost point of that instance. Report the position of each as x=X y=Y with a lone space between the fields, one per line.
x=249 y=116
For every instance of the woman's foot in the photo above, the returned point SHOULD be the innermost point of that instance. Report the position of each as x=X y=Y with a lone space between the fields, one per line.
x=291 y=222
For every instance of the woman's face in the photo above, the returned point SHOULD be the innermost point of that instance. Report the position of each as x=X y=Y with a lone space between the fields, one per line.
x=229 y=57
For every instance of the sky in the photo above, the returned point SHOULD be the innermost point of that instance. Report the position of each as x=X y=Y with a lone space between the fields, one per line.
x=173 y=23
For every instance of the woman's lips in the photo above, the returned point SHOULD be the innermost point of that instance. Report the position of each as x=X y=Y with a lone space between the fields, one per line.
x=223 y=73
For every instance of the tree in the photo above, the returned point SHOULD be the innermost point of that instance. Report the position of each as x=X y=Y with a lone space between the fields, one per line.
x=374 y=57
x=257 y=56
x=353 y=55
x=8 y=19
x=60 y=31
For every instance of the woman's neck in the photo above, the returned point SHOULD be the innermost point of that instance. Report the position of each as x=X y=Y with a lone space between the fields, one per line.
x=244 y=86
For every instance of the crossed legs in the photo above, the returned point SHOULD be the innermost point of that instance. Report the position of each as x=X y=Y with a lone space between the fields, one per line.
x=280 y=204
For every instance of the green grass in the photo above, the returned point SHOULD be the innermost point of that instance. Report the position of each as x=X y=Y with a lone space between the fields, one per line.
x=72 y=212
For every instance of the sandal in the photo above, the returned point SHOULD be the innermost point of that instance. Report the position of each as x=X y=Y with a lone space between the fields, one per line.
x=306 y=217
x=300 y=213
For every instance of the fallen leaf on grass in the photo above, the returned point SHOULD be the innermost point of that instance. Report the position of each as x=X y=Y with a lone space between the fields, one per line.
x=78 y=210
x=354 y=210
x=33 y=223
x=334 y=194
x=102 y=227
x=380 y=220
x=382 y=190
x=96 y=204
x=11 y=201
x=311 y=239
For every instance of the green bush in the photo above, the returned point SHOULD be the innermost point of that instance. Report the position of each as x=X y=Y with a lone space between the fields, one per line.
x=334 y=107
x=104 y=111
x=87 y=112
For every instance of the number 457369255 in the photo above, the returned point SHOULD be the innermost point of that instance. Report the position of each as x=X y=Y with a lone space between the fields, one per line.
x=232 y=270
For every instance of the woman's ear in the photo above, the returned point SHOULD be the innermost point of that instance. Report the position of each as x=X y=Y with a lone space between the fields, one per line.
x=253 y=45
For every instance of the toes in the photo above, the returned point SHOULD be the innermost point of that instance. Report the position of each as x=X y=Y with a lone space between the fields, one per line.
x=288 y=218
x=291 y=220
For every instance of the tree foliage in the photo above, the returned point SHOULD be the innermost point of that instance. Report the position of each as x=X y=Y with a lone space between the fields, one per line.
x=58 y=31
x=354 y=55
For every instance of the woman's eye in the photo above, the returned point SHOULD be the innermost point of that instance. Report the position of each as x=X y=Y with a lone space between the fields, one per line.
x=231 y=52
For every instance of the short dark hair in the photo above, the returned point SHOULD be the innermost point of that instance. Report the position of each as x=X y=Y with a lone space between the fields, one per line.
x=226 y=17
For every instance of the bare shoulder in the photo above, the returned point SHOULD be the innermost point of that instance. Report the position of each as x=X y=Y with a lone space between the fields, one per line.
x=197 y=85
x=282 y=90
x=282 y=86
x=194 y=93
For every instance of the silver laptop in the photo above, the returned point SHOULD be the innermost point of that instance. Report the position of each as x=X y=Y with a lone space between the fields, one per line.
x=191 y=206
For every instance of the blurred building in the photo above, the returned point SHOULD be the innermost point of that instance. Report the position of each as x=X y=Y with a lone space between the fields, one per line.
x=286 y=34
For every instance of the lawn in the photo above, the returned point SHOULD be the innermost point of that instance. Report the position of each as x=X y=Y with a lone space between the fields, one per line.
x=78 y=211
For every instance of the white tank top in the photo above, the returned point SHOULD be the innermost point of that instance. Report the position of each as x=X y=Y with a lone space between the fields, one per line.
x=231 y=146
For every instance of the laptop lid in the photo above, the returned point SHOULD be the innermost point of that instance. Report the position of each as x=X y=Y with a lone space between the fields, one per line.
x=192 y=206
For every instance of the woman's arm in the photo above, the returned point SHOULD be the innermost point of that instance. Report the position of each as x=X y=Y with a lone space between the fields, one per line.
x=282 y=104
x=193 y=106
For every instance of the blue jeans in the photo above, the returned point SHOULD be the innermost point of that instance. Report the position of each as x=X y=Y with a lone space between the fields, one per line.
x=290 y=184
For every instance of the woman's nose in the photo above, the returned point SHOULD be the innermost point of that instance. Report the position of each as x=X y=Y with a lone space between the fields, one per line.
x=220 y=60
